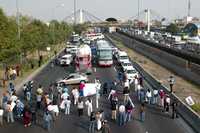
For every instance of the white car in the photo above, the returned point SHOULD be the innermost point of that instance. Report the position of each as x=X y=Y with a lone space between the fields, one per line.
x=131 y=72
x=126 y=64
x=73 y=78
x=71 y=49
x=122 y=56
x=66 y=59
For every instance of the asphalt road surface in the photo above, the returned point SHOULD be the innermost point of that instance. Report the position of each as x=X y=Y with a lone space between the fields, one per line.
x=155 y=122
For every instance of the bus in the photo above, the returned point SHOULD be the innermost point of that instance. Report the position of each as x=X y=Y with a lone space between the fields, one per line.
x=104 y=53
x=83 y=59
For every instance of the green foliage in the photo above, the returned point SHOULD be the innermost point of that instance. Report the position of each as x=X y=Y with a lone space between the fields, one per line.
x=79 y=28
x=173 y=29
x=35 y=35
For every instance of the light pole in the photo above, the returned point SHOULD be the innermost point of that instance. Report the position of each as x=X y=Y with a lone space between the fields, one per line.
x=74 y=12
x=18 y=21
x=53 y=16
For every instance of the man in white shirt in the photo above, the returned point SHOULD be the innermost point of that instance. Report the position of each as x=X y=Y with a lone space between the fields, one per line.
x=136 y=82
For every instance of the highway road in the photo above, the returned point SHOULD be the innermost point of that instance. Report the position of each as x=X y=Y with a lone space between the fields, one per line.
x=156 y=121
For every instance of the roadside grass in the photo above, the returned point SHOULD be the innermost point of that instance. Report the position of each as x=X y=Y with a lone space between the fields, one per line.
x=196 y=107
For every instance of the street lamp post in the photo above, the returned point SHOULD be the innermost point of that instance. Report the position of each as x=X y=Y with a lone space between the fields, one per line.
x=53 y=16
x=74 y=12
x=18 y=21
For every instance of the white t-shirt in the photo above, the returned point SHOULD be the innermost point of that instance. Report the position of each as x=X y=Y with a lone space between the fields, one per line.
x=168 y=100
x=67 y=103
x=1 y=112
x=148 y=94
x=39 y=98
x=136 y=81
x=121 y=108
x=80 y=105
x=126 y=83
x=65 y=95
x=155 y=92
x=75 y=93
x=13 y=98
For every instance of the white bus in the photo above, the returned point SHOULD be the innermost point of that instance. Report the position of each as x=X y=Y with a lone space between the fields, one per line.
x=104 y=53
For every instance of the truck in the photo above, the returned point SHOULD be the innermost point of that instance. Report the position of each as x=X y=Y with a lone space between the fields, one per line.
x=83 y=59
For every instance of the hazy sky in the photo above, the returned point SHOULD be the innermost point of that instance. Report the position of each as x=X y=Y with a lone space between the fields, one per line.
x=122 y=9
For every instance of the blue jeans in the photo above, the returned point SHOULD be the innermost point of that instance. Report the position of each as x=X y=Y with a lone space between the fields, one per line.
x=81 y=92
x=121 y=118
x=47 y=125
x=92 y=127
x=128 y=116
x=139 y=95
x=142 y=116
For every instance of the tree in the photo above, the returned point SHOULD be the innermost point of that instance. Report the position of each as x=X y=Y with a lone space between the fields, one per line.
x=173 y=29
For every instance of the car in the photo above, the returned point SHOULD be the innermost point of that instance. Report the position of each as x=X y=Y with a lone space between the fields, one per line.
x=126 y=64
x=131 y=72
x=122 y=56
x=72 y=49
x=73 y=78
x=66 y=59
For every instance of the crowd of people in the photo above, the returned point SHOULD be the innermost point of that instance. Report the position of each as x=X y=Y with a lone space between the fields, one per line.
x=60 y=98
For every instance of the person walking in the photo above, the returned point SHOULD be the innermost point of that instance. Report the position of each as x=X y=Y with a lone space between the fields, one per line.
x=88 y=103
x=105 y=127
x=129 y=110
x=67 y=106
x=47 y=120
x=161 y=96
x=80 y=107
x=136 y=82
x=114 y=104
x=121 y=115
x=9 y=111
x=92 y=123
x=19 y=108
x=167 y=103
x=142 y=113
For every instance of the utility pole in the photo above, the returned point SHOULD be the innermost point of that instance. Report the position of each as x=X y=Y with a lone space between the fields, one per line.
x=189 y=8
x=74 y=12
x=18 y=20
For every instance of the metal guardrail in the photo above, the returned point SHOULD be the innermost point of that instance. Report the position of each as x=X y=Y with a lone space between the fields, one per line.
x=191 y=117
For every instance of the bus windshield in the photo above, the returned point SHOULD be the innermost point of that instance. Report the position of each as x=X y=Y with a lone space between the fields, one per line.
x=105 y=54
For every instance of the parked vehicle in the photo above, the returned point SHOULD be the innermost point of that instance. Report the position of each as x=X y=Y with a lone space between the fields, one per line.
x=131 y=73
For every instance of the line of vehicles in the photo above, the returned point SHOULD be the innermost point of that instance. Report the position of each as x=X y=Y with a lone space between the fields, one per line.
x=99 y=52
x=190 y=44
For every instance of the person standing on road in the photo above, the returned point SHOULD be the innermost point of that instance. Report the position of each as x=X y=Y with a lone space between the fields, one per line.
x=114 y=104
x=121 y=115
x=161 y=96
x=26 y=117
x=67 y=106
x=126 y=92
x=136 y=82
x=75 y=94
x=174 y=109
x=155 y=96
x=105 y=127
x=88 y=103
x=105 y=88
x=81 y=87
x=80 y=107
x=47 y=120
x=92 y=123
x=167 y=103
x=129 y=110
x=148 y=96
x=142 y=113
x=9 y=111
